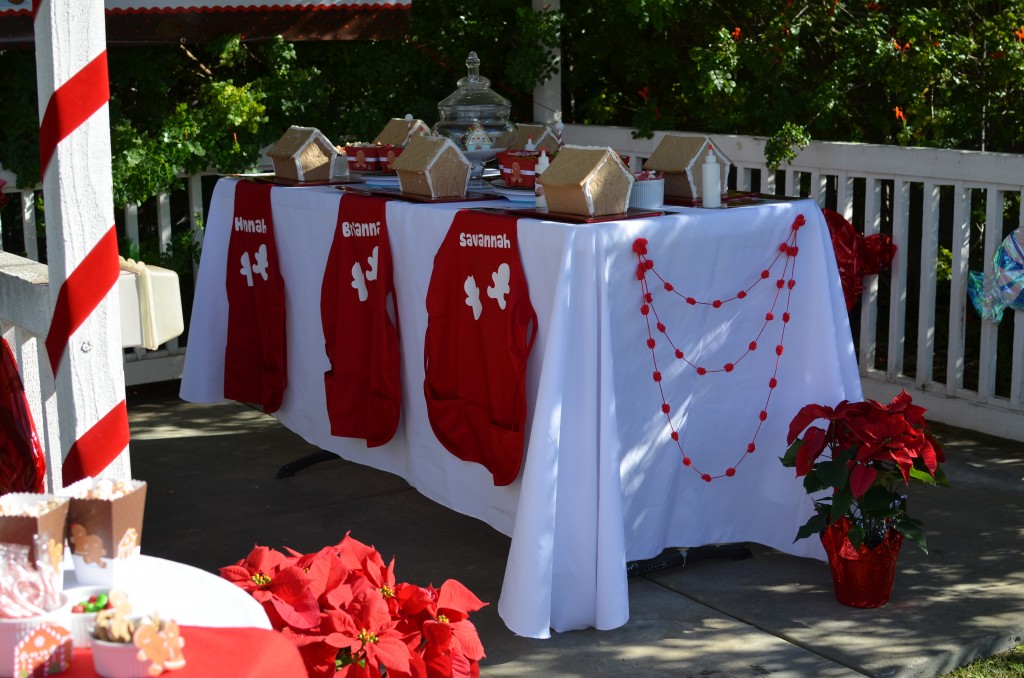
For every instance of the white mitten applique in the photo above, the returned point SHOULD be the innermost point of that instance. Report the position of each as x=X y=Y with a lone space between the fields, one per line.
x=246 y=270
x=372 y=263
x=500 y=287
x=473 y=297
x=260 y=268
x=359 y=282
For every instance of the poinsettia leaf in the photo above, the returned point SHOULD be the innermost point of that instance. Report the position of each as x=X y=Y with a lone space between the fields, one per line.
x=940 y=477
x=856 y=536
x=813 y=482
x=807 y=415
x=879 y=502
x=914 y=531
x=456 y=597
x=789 y=458
x=814 y=443
x=861 y=478
x=921 y=476
x=833 y=473
x=815 y=525
x=842 y=500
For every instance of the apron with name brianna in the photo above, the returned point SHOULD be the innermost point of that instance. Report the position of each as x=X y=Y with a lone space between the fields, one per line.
x=363 y=386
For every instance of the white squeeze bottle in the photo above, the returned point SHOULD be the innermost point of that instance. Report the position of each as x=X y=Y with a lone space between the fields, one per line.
x=711 y=181
x=538 y=190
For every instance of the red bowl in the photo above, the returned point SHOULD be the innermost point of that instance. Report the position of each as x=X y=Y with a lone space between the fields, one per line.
x=363 y=158
x=518 y=168
x=387 y=155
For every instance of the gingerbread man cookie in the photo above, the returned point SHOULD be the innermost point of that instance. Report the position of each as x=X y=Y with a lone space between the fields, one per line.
x=160 y=644
x=89 y=546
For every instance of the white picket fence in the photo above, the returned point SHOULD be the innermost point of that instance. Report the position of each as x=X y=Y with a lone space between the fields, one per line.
x=921 y=197
x=141 y=366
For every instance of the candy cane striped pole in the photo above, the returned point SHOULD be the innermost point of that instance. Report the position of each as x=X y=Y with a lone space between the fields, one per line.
x=84 y=341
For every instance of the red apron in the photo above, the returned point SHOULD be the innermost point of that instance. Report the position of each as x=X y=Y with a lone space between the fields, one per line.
x=256 y=356
x=480 y=330
x=363 y=386
x=22 y=462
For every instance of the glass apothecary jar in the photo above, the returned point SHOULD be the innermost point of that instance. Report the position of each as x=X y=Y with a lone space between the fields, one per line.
x=475 y=117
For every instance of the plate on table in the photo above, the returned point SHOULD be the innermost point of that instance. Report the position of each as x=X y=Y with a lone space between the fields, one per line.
x=271 y=178
x=547 y=215
x=514 y=194
x=396 y=192
x=380 y=179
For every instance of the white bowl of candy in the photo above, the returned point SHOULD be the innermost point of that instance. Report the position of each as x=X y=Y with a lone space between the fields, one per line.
x=85 y=602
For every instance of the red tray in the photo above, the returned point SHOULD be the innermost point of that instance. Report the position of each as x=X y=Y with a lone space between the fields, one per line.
x=396 y=193
x=292 y=182
x=540 y=213
x=730 y=199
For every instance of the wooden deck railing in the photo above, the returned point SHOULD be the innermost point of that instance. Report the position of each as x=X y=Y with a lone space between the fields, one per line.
x=914 y=328
x=947 y=211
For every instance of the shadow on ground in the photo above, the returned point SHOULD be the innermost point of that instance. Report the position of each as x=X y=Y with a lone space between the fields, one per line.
x=213 y=495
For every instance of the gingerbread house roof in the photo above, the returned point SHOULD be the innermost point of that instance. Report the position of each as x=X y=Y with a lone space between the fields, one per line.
x=399 y=131
x=588 y=180
x=303 y=153
x=433 y=165
x=679 y=156
x=540 y=134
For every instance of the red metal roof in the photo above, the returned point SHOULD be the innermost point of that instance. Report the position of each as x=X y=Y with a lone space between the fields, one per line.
x=165 y=21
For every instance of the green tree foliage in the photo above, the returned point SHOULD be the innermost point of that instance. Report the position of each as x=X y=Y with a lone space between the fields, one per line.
x=192 y=107
x=946 y=73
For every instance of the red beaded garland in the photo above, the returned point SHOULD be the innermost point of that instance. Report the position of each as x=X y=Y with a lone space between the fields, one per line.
x=786 y=249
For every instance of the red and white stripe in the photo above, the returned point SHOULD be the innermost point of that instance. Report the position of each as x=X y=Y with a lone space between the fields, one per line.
x=83 y=343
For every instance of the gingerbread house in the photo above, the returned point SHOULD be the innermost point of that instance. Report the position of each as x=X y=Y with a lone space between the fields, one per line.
x=303 y=154
x=587 y=180
x=399 y=131
x=535 y=135
x=434 y=167
x=680 y=157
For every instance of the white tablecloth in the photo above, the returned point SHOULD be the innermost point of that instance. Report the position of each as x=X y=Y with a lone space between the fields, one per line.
x=602 y=483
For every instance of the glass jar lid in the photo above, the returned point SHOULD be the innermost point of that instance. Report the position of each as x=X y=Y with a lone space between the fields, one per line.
x=474 y=115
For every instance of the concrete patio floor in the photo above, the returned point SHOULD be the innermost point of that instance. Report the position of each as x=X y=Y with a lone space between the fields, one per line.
x=213 y=495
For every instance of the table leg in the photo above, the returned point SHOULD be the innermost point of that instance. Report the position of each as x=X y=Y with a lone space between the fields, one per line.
x=675 y=557
x=293 y=467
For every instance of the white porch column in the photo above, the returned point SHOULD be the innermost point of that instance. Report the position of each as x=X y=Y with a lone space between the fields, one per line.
x=84 y=340
x=547 y=97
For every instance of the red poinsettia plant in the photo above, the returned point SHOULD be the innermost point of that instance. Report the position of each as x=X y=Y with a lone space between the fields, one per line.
x=868 y=455
x=348 y=616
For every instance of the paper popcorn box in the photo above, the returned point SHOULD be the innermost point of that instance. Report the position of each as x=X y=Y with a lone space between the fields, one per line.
x=17 y=529
x=102 y=532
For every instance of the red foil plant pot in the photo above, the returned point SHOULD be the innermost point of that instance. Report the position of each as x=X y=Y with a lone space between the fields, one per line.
x=862 y=577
